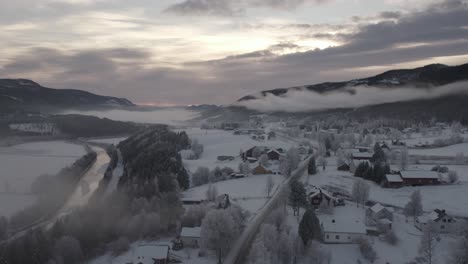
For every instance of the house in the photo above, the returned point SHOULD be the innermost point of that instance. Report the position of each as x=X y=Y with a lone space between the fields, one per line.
x=191 y=201
x=377 y=213
x=362 y=156
x=318 y=195
x=392 y=181
x=345 y=226
x=273 y=154
x=344 y=167
x=439 y=220
x=261 y=170
x=237 y=175
x=225 y=158
x=420 y=177
x=151 y=254
x=190 y=236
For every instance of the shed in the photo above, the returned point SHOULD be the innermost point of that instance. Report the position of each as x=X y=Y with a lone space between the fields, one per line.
x=190 y=236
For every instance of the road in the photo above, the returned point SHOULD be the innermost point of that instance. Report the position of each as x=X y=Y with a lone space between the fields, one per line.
x=242 y=245
x=83 y=192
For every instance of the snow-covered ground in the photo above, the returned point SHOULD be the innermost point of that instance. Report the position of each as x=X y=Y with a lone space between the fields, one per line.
x=20 y=165
x=444 y=151
x=249 y=193
x=170 y=115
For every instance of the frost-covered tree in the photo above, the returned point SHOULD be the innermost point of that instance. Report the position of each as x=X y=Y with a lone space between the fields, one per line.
x=317 y=254
x=309 y=227
x=285 y=167
x=312 y=167
x=403 y=159
x=322 y=162
x=194 y=215
x=297 y=196
x=459 y=250
x=366 y=249
x=264 y=161
x=269 y=185
x=197 y=148
x=360 y=192
x=326 y=207
x=453 y=177
x=3 y=227
x=428 y=244
x=460 y=158
x=200 y=176
x=414 y=206
x=211 y=193
x=294 y=158
x=244 y=168
x=218 y=232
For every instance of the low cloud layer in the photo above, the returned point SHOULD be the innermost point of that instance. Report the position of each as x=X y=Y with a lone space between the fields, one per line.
x=303 y=101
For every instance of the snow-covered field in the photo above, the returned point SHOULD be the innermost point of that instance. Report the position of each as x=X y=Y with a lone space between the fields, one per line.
x=444 y=151
x=20 y=165
x=170 y=115
x=220 y=142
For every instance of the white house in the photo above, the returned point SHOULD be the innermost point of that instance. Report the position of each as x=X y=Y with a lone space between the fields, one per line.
x=439 y=220
x=379 y=214
x=344 y=226
x=151 y=254
x=190 y=236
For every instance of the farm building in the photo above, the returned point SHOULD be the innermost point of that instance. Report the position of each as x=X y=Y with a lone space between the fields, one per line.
x=392 y=181
x=376 y=213
x=273 y=154
x=190 y=236
x=344 y=167
x=439 y=220
x=261 y=170
x=420 y=177
x=317 y=196
x=362 y=156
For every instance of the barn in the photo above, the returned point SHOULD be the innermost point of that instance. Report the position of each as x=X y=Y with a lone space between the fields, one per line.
x=392 y=181
x=420 y=177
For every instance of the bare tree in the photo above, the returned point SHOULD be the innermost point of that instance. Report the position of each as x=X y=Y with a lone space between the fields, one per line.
x=360 y=192
x=428 y=244
x=453 y=177
x=218 y=232
x=270 y=183
x=404 y=159
x=414 y=207
x=211 y=193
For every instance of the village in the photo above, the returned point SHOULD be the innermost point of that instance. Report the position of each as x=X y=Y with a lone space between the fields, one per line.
x=376 y=194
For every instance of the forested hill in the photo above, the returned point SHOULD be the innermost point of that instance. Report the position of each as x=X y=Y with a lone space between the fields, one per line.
x=152 y=162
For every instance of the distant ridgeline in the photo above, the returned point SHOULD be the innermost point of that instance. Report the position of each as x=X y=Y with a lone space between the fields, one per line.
x=152 y=163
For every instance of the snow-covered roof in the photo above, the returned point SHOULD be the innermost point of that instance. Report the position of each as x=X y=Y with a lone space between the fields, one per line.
x=377 y=208
x=147 y=253
x=419 y=174
x=429 y=217
x=345 y=219
x=393 y=178
x=190 y=232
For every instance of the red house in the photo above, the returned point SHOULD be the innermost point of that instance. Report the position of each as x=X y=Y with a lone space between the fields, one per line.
x=420 y=177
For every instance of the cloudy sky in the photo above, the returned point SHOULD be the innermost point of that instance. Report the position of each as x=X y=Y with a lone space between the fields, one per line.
x=215 y=51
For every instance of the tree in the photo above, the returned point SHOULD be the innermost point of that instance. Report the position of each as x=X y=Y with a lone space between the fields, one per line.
x=404 y=159
x=218 y=232
x=428 y=244
x=379 y=155
x=211 y=193
x=322 y=162
x=312 y=168
x=360 y=192
x=297 y=196
x=68 y=250
x=309 y=227
x=200 y=176
x=264 y=161
x=453 y=176
x=459 y=251
x=197 y=148
x=244 y=168
x=366 y=249
x=294 y=158
x=270 y=183
x=414 y=207
x=285 y=167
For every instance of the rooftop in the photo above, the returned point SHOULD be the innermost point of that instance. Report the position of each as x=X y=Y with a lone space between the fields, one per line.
x=345 y=219
x=419 y=174
x=393 y=178
x=190 y=232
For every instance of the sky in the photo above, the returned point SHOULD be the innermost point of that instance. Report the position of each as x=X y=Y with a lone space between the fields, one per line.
x=182 y=52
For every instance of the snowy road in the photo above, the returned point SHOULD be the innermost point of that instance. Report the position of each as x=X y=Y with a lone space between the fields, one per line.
x=241 y=247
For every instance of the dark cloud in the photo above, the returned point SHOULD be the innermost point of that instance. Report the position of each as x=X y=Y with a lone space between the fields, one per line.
x=232 y=8
x=205 y=7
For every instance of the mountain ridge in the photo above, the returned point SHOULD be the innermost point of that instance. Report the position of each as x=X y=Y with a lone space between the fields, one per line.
x=428 y=76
